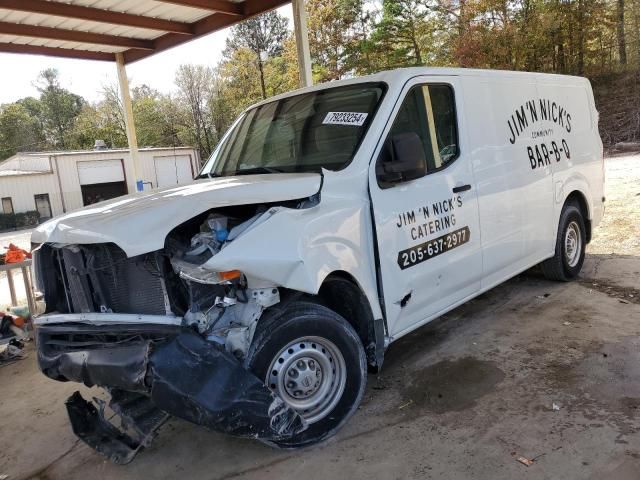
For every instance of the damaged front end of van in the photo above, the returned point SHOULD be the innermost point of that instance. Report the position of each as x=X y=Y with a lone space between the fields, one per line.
x=166 y=332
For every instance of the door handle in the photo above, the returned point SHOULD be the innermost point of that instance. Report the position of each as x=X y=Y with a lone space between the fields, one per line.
x=461 y=188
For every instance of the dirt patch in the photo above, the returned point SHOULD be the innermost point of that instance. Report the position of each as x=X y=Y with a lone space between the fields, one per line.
x=623 y=294
x=452 y=385
x=619 y=231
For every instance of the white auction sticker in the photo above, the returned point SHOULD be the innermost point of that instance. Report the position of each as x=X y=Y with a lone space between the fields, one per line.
x=345 y=118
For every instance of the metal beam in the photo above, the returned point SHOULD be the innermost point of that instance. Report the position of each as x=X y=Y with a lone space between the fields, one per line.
x=56 y=52
x=302 y=43
x=130 y=126
x=95 y=14
x=218 y=6
x=34 y=31
x=205 y=26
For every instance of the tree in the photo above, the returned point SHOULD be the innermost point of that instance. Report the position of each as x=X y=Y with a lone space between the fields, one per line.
x=332 y=36
x=263 y=35
x=194 y=84
x=402 y=29
x=59 y=107
x=19 y=130
x=622 y=44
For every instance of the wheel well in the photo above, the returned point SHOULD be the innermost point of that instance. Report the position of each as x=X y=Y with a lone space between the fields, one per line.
x=341 y=293
x=576 y=197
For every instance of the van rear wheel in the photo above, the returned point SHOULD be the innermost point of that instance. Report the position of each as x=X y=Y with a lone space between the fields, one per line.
x=313 y=359
x=567 y=262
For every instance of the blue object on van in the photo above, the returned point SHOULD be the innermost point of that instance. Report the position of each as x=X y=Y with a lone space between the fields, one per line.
x=222 y=234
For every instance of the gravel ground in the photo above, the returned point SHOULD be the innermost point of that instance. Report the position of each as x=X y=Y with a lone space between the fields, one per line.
x=619 y=232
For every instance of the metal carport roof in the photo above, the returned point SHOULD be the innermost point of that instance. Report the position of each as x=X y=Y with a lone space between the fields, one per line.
x=98 y=29
x=124 y=31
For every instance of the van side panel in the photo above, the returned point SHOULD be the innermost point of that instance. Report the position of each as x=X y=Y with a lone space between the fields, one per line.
x=515 y=195
x=579 y=164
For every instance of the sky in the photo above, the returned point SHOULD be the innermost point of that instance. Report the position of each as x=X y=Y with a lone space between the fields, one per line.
x=86 y=77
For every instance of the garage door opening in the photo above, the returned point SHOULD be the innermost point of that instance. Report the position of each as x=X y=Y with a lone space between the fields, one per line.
x=102 y=191
x=101 y=180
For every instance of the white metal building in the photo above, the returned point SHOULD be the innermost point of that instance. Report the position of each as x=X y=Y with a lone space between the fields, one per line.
x=56 y=182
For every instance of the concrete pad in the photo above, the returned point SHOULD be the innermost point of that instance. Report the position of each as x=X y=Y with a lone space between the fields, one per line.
x=460 y=398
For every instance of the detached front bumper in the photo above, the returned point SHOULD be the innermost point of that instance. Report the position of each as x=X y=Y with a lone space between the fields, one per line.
x=171 y=368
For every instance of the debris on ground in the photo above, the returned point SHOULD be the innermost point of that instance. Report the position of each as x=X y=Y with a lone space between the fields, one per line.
x=546 y=295
x=525 y=461
x=12 y=351
x=405 y=405
x=566 y=324
x=555 y=407
x=13 y=326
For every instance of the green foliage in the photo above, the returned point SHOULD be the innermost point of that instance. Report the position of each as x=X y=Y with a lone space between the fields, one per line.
x=347 y=38
x=59 y=108
x=264 y=36
x=9 y=221
x=19 y=130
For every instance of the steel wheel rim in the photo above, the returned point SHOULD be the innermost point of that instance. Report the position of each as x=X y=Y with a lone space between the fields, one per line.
x=309 y=375
x=572 y=244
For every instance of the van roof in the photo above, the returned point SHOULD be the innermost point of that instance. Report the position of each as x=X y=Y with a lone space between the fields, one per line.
x=401 y=75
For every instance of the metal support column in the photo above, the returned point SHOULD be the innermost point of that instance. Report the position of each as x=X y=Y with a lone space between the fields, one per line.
x=130 y=126
x=302 y=42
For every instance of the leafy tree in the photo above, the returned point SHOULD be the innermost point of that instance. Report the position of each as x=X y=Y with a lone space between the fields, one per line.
x=402 y=30
x=264 y=36
x=194 y=84
x=332 y=36
x=59 y=107
x=19 y=130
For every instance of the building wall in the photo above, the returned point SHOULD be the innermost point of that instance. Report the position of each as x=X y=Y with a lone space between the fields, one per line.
x=22 y=188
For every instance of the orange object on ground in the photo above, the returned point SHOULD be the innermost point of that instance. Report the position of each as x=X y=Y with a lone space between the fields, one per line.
x=18 y=322
x=15 y=254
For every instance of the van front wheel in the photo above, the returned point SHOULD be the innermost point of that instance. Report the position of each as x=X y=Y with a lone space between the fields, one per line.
x=313 y=359
x=565 y=265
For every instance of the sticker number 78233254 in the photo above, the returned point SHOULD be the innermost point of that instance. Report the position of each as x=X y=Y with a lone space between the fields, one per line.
x=420 y=253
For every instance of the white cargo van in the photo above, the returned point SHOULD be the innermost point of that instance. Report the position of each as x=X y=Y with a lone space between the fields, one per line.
x=327 y=223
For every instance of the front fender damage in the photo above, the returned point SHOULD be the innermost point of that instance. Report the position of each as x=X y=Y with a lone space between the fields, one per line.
x=188 y=378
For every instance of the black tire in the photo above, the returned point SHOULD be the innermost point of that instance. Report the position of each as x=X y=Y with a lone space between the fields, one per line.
x=279 y=327
x=558 y=267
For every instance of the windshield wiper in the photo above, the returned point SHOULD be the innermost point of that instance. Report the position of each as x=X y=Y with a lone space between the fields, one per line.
x=249 y=171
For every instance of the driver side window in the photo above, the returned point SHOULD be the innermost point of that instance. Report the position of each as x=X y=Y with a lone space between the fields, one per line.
x=428 y=113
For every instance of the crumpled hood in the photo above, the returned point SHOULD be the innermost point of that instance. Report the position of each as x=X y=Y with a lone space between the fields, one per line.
x=139 y=223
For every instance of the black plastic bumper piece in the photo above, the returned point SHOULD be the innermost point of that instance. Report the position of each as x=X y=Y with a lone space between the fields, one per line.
x=184 y=376
x=90 y=425
x=204 y=384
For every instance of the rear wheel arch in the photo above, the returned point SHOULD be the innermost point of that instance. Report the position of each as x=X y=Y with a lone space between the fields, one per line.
x=577 y=198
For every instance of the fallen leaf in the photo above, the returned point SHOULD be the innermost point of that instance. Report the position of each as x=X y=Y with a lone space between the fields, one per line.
x=525 y=461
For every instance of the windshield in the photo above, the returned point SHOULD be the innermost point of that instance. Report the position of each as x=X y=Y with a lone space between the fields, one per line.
x=303 y=133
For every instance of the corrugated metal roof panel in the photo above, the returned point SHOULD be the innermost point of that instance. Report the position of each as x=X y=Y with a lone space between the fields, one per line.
x=148 y=8
x=52 y=21
x=135 y=42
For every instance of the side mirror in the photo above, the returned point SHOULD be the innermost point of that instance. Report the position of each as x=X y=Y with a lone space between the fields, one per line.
x=402 y=159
